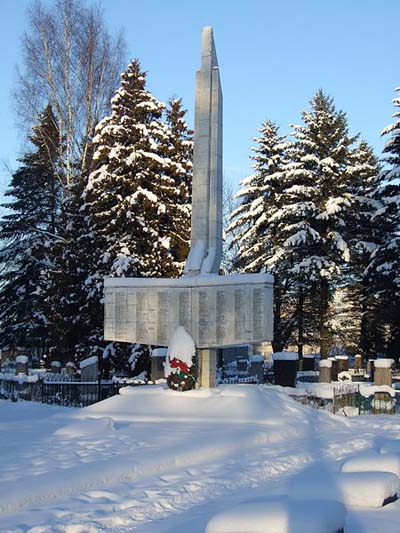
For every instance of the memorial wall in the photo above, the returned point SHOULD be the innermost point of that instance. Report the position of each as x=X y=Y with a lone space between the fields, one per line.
x=228 y=313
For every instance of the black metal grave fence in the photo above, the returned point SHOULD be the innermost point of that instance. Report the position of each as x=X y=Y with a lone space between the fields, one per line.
x=67 y=393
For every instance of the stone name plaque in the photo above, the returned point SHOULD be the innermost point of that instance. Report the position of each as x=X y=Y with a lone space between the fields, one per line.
x=216 y=310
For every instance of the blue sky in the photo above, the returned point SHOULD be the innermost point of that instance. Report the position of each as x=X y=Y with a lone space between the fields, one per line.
x=273 y=56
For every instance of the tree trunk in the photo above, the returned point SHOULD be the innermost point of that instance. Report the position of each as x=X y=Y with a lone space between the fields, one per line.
x=323 y=319
x=300 y=331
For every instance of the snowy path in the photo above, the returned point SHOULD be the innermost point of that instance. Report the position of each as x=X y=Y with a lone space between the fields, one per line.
x=149 y=474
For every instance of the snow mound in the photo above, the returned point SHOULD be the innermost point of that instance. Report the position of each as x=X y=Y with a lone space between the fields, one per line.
x=280 y=517
x=391 y=446
x=224 y=404
x=86 y=427
x=358 y=489
x=373 y=462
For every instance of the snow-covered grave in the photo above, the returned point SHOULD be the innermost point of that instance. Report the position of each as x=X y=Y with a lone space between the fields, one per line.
x=280 y=517
x=373 y=462
x=21 y=364
x=89 y=368
x=153 y=460
x=391 y=446
x=355 y=489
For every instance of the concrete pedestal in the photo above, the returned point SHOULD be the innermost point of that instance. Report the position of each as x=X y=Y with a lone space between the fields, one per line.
x=357 y=362
x=383 y=376
x=325 y=374
x=207 y=367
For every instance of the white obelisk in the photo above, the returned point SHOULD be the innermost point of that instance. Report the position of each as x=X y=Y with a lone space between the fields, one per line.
x=206 y=233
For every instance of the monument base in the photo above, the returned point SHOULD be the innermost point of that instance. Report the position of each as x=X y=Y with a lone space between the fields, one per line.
x=207 y=361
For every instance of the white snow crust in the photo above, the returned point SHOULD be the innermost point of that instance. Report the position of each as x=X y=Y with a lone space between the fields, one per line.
x=325 y=363
x=23 y=359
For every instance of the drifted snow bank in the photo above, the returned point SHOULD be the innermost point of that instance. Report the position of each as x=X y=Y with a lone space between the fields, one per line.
x=280 y=517
x=86 y=428
x=224 y=404
x=373 y=462
x=391 y=446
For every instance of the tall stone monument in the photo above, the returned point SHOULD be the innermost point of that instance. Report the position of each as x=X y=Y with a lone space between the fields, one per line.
x=217 y=311
x=206 y=235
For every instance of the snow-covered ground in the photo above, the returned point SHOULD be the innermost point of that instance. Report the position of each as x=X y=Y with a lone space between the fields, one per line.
x=155 y=460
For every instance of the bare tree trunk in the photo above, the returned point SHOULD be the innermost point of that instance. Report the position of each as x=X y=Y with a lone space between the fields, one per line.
x=300 y=330
x=323 y=319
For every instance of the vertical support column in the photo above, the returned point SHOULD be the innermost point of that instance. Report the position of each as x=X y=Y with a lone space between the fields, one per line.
x=207 y=358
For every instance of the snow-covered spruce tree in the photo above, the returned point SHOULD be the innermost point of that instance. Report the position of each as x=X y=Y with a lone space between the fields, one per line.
x=358 y=327
x=70 y=323
x=136 y=198
x=253 y=228
x=315 y=202
x=383 y=272
x=177 y=182
x=28 y=232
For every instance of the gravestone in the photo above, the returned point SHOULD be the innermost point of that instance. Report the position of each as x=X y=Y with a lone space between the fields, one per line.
x=55 y=367
x=21 y=364
x=325 y=371
x=383 y=372
x=343 y=363
x=70 y=369
x=257 y=367
x=217 y=311
x=89 y=368
x=242 y=365
x=357 y=362
x=308 y=362
x=285 y=368
x=158 y=357
x=335 y=368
